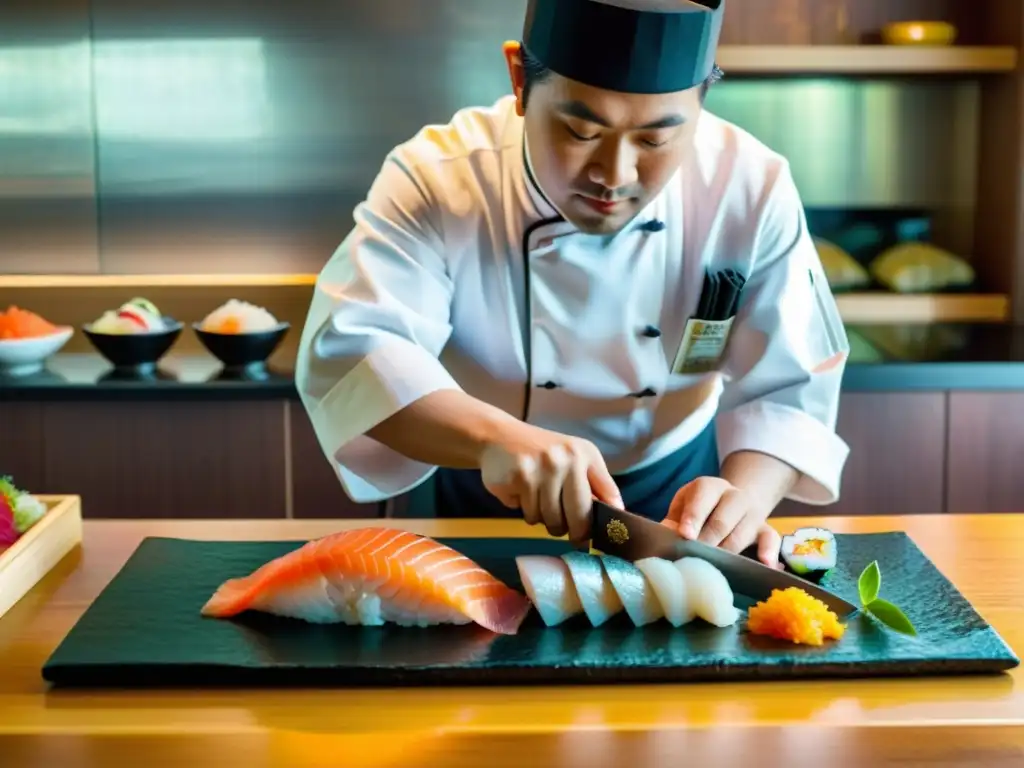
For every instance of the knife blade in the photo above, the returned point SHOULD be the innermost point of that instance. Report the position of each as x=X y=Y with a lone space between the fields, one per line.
x=632 y=537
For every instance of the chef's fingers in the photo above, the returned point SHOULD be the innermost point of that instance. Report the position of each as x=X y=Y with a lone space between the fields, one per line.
x=525 y=485
x=768 y=544
x=743 y=535
x=502 y=485
x=506 y=494
x=602 y=484
x=554 y=466
x=531 y=512
x=727 y=514
x=576 y=494
x=693 y=504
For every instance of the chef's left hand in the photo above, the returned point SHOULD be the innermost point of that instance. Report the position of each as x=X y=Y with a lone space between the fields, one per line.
x=716 y=512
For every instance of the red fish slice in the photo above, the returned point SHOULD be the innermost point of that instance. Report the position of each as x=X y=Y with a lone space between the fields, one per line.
x=8 y=532
x=373 y=576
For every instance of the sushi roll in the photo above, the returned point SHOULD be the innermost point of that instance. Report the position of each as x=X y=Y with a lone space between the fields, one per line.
x=809 y=552
x=549 y=586
x=708 y=591
x=594 y=589
x=634 y=590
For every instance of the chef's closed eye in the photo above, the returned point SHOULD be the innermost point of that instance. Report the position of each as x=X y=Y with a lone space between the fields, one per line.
x=658 y=139
x=584 y=124
x=580 y=133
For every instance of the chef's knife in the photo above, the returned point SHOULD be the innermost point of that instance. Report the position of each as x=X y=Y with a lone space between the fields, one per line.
x=632 y=537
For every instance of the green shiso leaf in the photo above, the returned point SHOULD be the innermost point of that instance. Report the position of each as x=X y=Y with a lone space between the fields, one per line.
x=890 y=615
x=869 y=582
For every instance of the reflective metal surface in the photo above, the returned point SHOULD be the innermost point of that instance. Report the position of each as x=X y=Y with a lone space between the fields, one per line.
x=238 y=135
x=47 y=184
x=854 y=143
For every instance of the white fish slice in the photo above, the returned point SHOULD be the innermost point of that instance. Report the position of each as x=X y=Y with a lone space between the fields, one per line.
x=634 y=590
x=708 y=591
x=549 y=585
x=596 y=593
x=668 y=584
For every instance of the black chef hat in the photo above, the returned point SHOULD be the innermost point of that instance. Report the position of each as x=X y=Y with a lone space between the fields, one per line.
x=633 y=46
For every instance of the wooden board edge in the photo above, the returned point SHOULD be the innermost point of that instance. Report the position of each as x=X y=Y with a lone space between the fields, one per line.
x=44 y=545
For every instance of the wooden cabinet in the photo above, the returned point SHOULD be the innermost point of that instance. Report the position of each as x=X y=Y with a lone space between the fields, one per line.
x=168 y=459
x=21 y=443
x=316 y=491
x=910 y=453
x=184 y=459
x=897 y=455
x=985 y=471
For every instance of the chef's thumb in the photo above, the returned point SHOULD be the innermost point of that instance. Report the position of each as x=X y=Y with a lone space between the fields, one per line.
x=603 y=486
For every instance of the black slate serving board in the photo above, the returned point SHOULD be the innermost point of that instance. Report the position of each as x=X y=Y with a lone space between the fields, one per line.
x=145 y=629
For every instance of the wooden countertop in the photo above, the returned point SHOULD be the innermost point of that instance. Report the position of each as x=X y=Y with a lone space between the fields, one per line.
x=950 y=721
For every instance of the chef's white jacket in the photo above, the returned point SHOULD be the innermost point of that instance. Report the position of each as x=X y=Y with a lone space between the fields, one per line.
x=427 y=293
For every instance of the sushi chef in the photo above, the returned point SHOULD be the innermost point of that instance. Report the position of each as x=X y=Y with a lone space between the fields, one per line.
x=591 y=288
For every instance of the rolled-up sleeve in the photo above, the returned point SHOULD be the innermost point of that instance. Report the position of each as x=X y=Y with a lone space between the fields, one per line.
x=378 y=320
x=786 y=355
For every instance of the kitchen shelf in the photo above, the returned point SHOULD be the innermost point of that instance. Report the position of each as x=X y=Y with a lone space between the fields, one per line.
x=865 y=59
x=156 y=281
x=923 y=308
x=869 y=307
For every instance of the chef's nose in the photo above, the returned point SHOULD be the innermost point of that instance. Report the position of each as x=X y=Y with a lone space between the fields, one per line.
x=615 y=167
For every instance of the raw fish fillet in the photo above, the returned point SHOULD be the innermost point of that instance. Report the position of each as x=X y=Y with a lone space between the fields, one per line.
x=634 y=590
x=598 y=597
x=8 y=530
x=549 y=586
x=669 y=587
x=708 y=591
x=373 y=576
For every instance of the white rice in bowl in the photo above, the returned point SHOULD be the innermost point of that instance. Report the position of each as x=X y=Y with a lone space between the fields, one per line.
x=235 y=316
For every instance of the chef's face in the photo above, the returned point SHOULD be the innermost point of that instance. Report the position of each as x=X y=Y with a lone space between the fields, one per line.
x=601 y=156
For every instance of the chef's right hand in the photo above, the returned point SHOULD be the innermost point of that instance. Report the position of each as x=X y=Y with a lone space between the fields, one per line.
x=550 y=476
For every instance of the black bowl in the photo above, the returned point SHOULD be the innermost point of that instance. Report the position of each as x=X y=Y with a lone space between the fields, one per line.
x=135 y=351
x=242 y=351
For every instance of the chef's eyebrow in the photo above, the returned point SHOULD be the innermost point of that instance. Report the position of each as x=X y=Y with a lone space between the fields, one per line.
x=581 y=111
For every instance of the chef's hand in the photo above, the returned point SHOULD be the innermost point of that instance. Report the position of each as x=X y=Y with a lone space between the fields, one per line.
x=716 y=512
x=550 y=476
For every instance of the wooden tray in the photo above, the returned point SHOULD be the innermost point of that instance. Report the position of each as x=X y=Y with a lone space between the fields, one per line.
x=40 y=549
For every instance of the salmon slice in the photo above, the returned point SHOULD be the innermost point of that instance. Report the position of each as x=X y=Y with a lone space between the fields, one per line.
x=373 y=576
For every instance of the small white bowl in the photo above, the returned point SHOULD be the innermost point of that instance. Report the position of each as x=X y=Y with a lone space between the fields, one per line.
x=23 y=357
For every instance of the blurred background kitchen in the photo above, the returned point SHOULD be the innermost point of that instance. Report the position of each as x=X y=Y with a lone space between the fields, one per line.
x=191 y=152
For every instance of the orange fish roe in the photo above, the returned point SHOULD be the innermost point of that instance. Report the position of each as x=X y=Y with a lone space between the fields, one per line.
x=792 y=614
x=17 y=323
x=227 y=325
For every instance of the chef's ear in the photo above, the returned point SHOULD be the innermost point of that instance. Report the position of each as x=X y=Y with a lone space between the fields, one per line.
x=517 y=74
